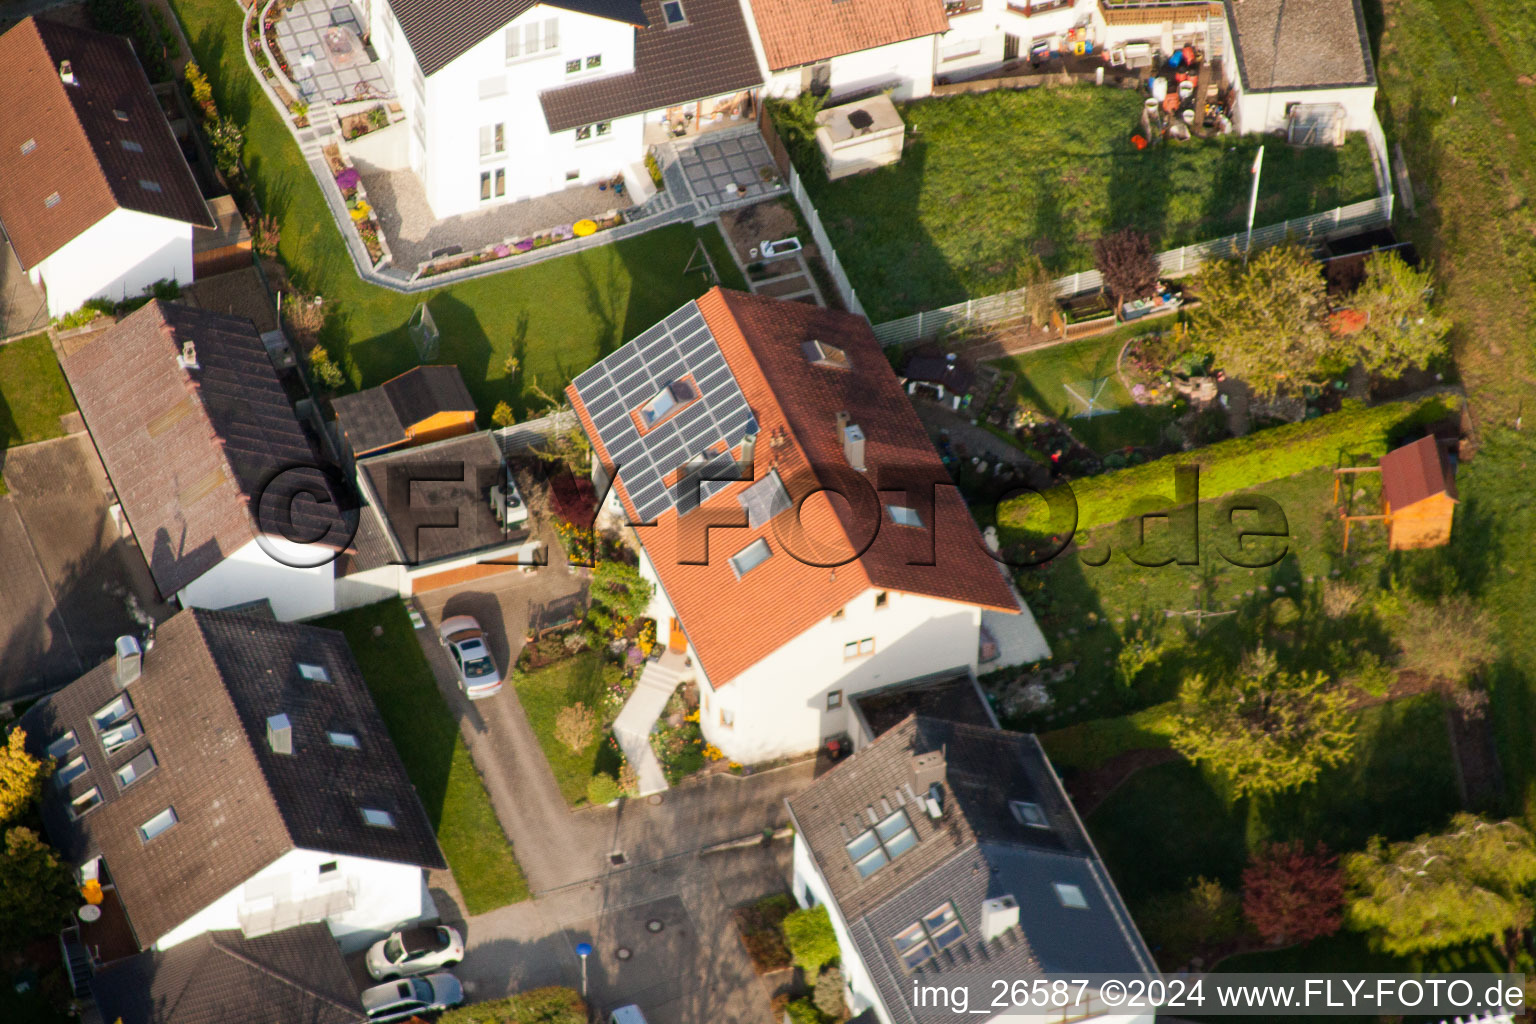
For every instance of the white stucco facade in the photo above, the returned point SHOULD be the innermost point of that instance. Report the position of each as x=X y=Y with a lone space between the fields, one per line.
x=360 y=899
x=116 y=258
x=250 y=574
x=1260 y=112
x=999 y=30
x=906 y=68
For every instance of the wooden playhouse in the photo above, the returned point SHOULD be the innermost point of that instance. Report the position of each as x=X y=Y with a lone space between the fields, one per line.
x=1418 y=495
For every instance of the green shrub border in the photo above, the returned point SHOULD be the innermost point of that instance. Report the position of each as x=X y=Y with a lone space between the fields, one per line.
x=1356 y=431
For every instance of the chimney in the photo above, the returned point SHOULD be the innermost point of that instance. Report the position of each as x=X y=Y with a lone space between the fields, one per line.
x=66 y=72
x=130 y=661
x=187 y=360
x=280 y=734
x=927 y=769
x=853 y=441
x=997 y=916
x=749 y=445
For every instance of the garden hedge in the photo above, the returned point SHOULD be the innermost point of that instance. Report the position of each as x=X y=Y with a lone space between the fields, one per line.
x=554 y=1005
x=1358 y=431
x=811 y=940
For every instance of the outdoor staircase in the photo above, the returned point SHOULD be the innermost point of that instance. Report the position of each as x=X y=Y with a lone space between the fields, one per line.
x=633 y=726
x=77 y=962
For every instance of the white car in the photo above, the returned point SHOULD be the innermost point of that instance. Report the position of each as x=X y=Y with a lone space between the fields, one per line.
x=415 y=951
x=465 y=641
x=397 y=1000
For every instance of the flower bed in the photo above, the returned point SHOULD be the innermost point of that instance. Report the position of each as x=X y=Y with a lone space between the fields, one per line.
x=355 y=126
x=350 y=184
x=518 y=246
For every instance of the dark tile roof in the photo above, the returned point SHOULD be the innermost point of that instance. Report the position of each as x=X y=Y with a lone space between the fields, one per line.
x=1416 y=471
x=976 y=851
x=1300 y=44
x=441 y=31
x=380 y=417
x=955 y=698
x=189 y=449
x=79 y=138
x=710 y=55
x=209 y=683
x=434 y=500
x=296 y=976
x=796 y=32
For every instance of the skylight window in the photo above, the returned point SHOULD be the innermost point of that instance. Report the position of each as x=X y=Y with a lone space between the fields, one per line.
x=28 y=146
x=149 y=186
x=750 y=557
x=158 y=825
x=71 y=771
x=876 y=847
x=1071 y=896
x=52 y=200
x=115 y=711
x=667 y=401
x=344 y=739
x=764 y=500
x=142 y=764
x=377 y=818
x=121 y=115
x=1027 y=813
x=132 y=147
x=120 y=736
x=63 y=745
x=918 y=943
x=87 y=801
x=672 y=10
x=901 y=515
x=314 y=673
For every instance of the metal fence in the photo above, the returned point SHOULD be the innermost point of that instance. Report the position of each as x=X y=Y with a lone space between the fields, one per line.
x=823 y=243
x=1010 y=306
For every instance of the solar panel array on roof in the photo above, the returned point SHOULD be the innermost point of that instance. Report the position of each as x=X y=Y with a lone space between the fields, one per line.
x=679 y=347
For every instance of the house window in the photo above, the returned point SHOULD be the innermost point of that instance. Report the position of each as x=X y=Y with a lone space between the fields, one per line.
x=85 y=802
x=493 y=184
x=314 y=673
x=672 y=11
x=142 y=764
x=329 y=867
x=728 y=718
x=120 y=736
x=552 y=34
x=917 y=943
x=514 y=38
x=344 y=739
x=901 y=515
x=859 y=648
x=604 y=128
x=883 y=599
x=876 y=847
x=960 y=49
x=594 y=61
x=1027 y=813
x=63 y=745
x=834 y=699
x=71 y=771
x=583 y=133
x=572 y=66
x=158 y=825
x=533 y=39
x=1071 y=896
x=493 y=140
x=377 y=818
x=912 y=946
x=572 y=175
x=839 y=614
x=115 y=711
x=667 y=401
x=750 y=557
x=501 y=182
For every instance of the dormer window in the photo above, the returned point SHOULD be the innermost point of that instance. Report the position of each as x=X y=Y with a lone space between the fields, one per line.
x=1027 y=813
x=667 y=401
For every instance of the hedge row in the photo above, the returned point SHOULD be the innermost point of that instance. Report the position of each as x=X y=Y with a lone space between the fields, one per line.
x=1354 y=434
x=553 y=1005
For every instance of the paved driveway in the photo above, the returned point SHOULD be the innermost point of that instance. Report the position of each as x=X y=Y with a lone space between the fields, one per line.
x=69 y=584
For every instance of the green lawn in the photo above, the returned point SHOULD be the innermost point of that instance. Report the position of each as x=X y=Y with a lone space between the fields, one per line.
x=1089 y=368
x=987 y=178
x=557 y=317
x=33 y=392
x=543 y=692
x=435 y=755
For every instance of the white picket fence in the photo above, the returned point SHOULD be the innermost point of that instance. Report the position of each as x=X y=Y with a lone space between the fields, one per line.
x=828 y=253
x=1010 y=306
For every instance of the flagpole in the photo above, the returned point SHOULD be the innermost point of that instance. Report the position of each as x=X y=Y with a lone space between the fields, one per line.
x=1253 y=202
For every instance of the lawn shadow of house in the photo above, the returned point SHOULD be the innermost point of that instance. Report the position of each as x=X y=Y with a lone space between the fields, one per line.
x=462 y=343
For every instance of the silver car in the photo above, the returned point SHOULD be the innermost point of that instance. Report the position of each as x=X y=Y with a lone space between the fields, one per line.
x=397 y=1000
x=415 y=951
x=465 y=641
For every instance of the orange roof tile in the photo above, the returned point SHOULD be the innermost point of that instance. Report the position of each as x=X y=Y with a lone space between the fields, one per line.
x=836 y=547
x=796 y=32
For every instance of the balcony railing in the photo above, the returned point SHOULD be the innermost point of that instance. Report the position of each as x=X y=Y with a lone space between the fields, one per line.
x=1155 y=12
x=1026 y=8
x=954 y=7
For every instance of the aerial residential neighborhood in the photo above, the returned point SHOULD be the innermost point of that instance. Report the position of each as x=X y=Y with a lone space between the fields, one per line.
x=766 y=511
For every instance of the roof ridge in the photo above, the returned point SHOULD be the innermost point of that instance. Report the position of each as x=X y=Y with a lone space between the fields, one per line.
x=719 y=295
x=276 y=976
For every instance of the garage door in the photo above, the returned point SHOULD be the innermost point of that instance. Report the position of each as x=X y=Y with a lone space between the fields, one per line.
x=453 y=577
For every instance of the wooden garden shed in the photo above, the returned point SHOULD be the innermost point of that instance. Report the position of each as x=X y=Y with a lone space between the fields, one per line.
x=1418 y=495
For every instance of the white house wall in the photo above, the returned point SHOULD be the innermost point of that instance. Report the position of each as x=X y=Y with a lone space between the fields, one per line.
x=1259 y=112
x=116 y=258
x=779 y=705
x=908 y=66
x=810 y=890
x=250 y=574
x=384 y=894
x=370 y=587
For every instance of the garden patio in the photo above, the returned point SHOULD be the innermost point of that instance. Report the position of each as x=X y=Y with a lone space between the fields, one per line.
x=988 y=179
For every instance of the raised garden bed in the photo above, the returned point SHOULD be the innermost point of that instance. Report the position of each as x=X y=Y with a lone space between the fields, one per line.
x=517 y=246
x=355 y=126
x=350 y=184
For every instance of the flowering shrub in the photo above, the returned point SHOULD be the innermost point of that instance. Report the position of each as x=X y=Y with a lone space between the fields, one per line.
x=580 y=543
x=646 y=638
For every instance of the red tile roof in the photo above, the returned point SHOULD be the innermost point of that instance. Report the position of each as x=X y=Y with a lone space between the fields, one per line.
x=70 y=140
x=796 y=32
x=732 y=622
x=1414 y=472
